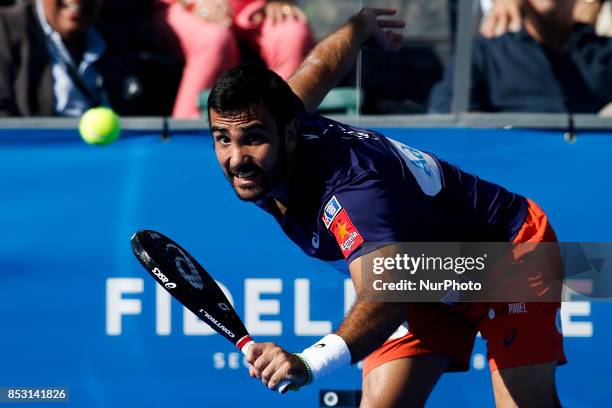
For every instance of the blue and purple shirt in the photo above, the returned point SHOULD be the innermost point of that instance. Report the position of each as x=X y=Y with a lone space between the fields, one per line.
x=351 y=186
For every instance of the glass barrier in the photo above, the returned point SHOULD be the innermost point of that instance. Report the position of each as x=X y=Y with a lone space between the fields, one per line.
x=482 y=56
x=385 y=82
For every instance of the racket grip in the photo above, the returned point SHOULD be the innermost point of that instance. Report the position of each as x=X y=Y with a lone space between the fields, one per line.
x=283 y=387
x=245 y=347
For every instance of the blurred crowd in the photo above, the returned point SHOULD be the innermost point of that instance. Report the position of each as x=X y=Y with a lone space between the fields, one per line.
x=538 y=56
x=158 y=57
x=141 y=57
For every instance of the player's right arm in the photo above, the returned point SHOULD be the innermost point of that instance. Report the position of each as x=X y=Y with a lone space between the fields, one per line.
x=369 y=324
x=334 y=56
x=364 y=329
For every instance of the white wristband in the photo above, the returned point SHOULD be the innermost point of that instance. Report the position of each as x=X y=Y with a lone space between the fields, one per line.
x=328 y=354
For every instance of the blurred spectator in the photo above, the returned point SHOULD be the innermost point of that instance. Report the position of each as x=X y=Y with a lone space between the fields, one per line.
x=549 y=65
x=129 y=27
x=53 y=61
x=209 y=33
x=595 y=13
x=506 y=15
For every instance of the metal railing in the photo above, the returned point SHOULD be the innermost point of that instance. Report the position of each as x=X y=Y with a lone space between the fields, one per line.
x=552 y=121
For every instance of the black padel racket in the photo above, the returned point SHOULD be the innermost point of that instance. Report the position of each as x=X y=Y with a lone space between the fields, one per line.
x=189 y=283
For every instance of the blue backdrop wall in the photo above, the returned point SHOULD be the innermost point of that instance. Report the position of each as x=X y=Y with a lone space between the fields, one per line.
x=78 y=310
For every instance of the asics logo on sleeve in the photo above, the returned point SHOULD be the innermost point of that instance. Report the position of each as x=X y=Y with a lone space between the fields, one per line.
x=315 y=240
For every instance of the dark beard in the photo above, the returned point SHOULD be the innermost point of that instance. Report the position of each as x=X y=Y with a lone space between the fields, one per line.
x=269 y=181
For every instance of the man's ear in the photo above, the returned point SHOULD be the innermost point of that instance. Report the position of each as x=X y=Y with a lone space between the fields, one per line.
x=291 y=135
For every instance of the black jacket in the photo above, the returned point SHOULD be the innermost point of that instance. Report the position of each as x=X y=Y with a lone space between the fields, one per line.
x=25 y=70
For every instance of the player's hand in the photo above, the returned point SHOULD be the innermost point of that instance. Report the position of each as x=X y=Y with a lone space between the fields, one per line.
x=505 y=16
x=278 y=10
x=379 y=32
x=272 y=364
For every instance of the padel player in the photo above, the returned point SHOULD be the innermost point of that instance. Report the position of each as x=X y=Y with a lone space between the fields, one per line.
x=333 y=187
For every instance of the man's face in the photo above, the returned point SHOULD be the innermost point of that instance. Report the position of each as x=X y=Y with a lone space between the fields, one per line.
x=250 y=150
x=71 y=17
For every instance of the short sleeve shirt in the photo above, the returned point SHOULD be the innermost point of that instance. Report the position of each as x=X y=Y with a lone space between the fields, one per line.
x=352 y=186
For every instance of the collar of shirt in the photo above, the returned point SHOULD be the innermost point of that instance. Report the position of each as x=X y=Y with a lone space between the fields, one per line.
x=280 y=193
x=69 y=99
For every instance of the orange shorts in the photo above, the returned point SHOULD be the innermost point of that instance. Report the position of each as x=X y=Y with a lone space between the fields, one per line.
x=516 y=334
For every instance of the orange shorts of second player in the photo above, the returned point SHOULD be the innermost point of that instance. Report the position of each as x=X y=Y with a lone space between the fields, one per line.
x=516 y=334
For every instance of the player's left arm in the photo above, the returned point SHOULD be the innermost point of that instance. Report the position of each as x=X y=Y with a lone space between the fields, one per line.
x=334 y=56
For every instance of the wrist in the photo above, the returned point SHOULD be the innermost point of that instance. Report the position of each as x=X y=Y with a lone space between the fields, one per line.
x=308 y=370
x=325 y=356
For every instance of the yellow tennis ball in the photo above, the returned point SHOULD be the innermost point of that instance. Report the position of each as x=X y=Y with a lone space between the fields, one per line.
x=100 y=126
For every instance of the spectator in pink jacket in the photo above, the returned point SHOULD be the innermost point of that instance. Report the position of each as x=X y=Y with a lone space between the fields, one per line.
x=208 y=32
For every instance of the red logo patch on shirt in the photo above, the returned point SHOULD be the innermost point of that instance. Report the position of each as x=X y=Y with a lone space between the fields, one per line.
x=346 y=234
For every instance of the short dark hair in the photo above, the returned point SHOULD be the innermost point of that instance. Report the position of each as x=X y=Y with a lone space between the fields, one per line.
x=246 y=85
